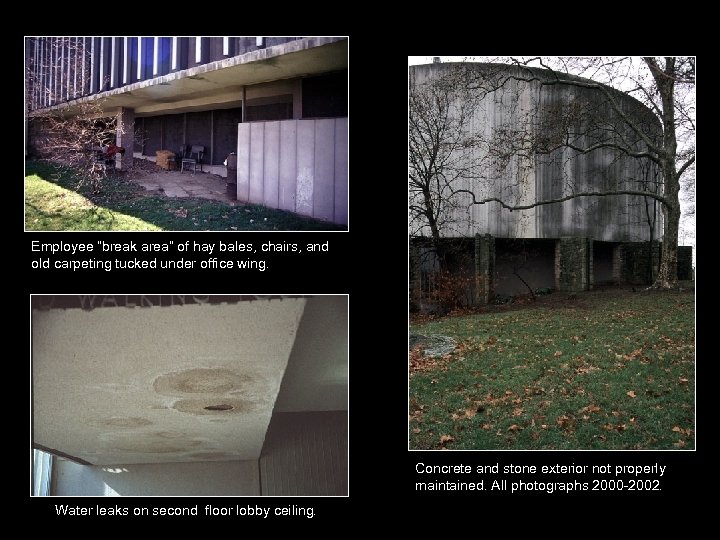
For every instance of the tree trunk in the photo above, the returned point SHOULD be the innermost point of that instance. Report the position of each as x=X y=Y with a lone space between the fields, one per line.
x=667 y=277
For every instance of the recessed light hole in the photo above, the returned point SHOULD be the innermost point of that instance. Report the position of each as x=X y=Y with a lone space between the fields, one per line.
x=222 y=407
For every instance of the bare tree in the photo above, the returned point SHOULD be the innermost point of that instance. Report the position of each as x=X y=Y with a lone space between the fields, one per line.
x=597 y=120
x=439 y=137
x=81 y=138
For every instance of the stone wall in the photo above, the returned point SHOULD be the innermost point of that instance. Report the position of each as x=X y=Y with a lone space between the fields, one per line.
x=684 y=263
x=484 y=268
x=573 y=264
x=630 y=263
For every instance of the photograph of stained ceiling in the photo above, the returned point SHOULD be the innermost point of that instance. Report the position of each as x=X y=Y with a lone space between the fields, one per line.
x=137 y=380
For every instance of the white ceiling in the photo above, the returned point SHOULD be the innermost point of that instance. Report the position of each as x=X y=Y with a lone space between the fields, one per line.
x=124 y=385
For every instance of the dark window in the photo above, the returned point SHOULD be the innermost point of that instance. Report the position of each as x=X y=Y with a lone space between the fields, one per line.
x=146 y=60
x=273 y=111
x=225 y=126
x=153 y=134
x=325 y=95
x=164 y=55
x=173 y=126
x=132 y=60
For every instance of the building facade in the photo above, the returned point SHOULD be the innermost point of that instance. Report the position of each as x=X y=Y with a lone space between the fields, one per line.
x=279 y=103
x=527 y=138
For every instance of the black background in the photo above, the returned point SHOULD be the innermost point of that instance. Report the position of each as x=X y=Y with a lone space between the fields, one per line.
x=369 y=262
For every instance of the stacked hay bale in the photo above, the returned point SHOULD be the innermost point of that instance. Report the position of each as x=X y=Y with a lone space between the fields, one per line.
x=165 y=159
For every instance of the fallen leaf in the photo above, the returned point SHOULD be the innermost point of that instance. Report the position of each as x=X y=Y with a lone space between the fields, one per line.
x=631 y=393
x=557 y=353
x=416 y=430
x=683 y=381
x=486 y=426
x=517 y=412
x=455 y=416
x=544 y=426
x=470 y=413
x=446 y=439
x=679 y=444
x=590 y=409
x=677 y=428
x=514 y=427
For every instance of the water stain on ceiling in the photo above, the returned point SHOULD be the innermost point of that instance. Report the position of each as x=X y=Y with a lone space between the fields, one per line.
x=194 y=382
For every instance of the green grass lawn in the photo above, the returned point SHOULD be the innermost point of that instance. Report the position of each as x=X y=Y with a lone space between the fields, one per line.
x=607 y=370
x=55 y=201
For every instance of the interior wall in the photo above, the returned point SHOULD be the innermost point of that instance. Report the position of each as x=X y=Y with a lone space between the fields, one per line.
x=306 y=454
x=203 y=478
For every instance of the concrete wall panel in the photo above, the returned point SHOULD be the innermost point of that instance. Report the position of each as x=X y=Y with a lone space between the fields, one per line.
x=243 y=163
x=257 y=162
x=272 y=164
x=296 y=165
x=305 y=178
x=288 y=165
x=324 y=188
x=341 y=171
x=525 y=177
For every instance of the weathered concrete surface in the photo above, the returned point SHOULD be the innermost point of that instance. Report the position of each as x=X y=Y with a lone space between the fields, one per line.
x=295 y=165
x=219 y=81
x=122 y=385
x=528 y=176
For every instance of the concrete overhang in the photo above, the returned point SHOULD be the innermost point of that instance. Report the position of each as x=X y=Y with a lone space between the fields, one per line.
x=219 y=84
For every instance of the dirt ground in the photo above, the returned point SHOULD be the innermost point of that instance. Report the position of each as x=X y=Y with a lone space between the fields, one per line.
x=157 y=181
x=553 y=300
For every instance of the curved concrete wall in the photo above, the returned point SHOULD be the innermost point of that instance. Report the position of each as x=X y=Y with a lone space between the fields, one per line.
x=525 y=176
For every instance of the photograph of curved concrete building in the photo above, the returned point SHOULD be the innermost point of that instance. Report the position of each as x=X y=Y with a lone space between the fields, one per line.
x=525 y=137
x=269 y=114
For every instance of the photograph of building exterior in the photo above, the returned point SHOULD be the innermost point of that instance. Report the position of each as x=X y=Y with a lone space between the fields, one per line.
x=189 y=395
x=567 y=246
x=269 y=113
x=551 y=301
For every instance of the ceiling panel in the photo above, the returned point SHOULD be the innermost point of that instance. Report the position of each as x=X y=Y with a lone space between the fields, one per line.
x=124 y=385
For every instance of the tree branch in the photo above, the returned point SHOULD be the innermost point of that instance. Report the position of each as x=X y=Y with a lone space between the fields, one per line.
x=511 y=207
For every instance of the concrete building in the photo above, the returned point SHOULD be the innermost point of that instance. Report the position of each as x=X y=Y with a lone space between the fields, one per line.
x=279 y=103
x=570 y=245
x=190 y=395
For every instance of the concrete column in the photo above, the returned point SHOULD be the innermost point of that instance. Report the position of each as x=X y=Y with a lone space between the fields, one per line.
x=617 y=263
x=125 y=137
x=573 y=264
x=415 y=277
x=633 y=267
x=297 y=99
x=484 y=268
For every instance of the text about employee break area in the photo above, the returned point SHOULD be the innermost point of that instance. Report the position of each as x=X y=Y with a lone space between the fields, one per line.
x=558 y=478
x=170 y=255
